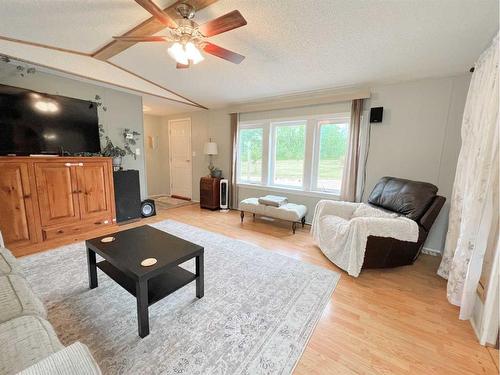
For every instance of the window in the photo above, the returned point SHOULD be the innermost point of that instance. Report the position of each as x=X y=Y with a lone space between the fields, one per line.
x=289 y=153
x=306 y=154
x=333 y=143
x=250 y=155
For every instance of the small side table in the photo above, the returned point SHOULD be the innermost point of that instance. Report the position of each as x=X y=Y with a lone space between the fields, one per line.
x=210 y=192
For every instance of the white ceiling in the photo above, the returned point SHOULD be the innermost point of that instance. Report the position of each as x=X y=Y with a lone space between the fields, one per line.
x=290 y=45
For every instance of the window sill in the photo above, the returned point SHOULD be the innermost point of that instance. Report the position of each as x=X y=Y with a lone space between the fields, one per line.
x=315 y=194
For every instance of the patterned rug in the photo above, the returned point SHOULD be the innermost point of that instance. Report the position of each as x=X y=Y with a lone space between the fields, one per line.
x=256 y=317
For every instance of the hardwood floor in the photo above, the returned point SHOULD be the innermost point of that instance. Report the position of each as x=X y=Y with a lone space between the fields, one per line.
x=391 y=321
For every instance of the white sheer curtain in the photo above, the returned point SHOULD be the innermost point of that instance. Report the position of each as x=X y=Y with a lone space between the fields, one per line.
x=476 y=182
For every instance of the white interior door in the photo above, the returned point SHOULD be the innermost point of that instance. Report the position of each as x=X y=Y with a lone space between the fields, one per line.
x=181 y=167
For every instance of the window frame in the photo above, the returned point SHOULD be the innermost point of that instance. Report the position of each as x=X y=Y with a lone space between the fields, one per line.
x=338 y=119
x=273 y=126
x=311 y=154
x=253 y=125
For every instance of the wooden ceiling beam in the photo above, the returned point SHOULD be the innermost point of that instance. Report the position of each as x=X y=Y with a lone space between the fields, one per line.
x=149 y=27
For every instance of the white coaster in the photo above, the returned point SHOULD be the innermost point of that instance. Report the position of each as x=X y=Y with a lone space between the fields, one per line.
x=148 y=262
x=107 y=239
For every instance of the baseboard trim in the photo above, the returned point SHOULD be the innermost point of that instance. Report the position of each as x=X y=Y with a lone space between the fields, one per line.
x=432 y=252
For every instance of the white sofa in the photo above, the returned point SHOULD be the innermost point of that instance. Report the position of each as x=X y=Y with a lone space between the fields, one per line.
x=28 y=343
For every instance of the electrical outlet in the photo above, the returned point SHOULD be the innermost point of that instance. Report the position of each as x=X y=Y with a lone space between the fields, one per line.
x=137 y=151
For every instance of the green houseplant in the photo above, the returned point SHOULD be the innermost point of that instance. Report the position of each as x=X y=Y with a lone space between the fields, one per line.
x=115 y=152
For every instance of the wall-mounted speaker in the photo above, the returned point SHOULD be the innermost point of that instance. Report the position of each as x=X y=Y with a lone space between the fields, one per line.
x=224 y=194
x=148 y=208
x=376 y=114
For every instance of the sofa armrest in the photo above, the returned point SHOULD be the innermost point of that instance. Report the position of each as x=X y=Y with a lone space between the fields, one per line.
x=74 y=359
x=432 y=212
x=338 y=208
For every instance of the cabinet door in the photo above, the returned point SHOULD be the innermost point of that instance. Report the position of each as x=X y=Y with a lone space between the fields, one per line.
x=94 y=187
x=17 y=221
x=57 y=193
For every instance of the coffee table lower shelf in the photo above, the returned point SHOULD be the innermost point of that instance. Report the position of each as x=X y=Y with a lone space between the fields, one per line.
x=158 y=287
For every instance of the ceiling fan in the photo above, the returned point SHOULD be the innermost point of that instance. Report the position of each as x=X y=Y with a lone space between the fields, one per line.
x=188 y=37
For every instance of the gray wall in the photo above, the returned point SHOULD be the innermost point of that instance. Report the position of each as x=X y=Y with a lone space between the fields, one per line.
x=124 y=110
x=419 y=139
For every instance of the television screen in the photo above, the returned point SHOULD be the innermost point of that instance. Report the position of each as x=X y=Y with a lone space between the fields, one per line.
x=37 y=123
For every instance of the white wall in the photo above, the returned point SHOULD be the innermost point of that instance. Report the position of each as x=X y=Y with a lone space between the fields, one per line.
x=124 y=110
x=157 y=167
x=418 y=139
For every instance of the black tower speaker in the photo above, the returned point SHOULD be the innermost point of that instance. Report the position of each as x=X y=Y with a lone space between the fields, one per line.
x=127 y=195
x=376 y=114
x=148 y=208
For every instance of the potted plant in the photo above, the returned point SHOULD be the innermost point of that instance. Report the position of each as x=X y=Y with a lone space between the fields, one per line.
x=115 y=152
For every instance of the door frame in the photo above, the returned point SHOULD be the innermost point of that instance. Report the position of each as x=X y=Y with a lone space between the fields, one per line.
x=188 y=119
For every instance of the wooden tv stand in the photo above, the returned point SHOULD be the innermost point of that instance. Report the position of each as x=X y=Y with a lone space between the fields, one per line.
x=48 y=201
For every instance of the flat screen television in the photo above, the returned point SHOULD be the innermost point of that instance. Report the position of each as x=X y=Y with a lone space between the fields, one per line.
x=38 y=123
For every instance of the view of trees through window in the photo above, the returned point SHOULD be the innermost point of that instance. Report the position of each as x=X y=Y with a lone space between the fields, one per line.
x=332 y=152
x=250 y=155
x=290 y=151
x=287 y=154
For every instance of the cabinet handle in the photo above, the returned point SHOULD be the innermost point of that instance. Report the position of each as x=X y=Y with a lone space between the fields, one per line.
x=27 y=196
x=73 y=164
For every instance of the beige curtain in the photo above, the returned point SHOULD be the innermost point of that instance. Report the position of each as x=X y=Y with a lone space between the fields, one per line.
x=233 y=190
x=350 y=176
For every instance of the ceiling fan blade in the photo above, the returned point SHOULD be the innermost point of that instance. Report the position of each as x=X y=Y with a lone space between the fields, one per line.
x=157 y=12
x=229 y=21
x=182 y=66
x=145 y=38
x=223 y=53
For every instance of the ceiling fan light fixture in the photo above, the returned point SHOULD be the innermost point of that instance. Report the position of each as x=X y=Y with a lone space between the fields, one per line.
x=193 y=53
x=176 y=51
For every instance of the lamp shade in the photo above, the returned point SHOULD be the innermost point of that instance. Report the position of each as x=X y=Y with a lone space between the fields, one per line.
x=211 y=148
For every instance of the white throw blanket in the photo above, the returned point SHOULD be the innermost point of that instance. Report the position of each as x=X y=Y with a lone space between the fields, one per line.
x=341 y=230
x=273 y=200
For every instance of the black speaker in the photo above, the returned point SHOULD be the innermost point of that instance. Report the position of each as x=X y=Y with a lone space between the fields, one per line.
x=376 y=114
x=148 y=208
x=127 y=195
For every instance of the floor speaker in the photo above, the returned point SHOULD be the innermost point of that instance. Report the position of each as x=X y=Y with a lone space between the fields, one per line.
x=148 y=208
x=127 y=195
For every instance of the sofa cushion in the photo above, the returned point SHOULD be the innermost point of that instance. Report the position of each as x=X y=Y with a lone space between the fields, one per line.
x=406 y=197
x=74 y=359
x=24 y=341
x=8 y=263
x=17 y=298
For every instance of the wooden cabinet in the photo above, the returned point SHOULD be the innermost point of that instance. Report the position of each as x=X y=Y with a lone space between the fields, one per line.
x=17 y=218
x=210 y=193
x=57 y=190
x=45 y=199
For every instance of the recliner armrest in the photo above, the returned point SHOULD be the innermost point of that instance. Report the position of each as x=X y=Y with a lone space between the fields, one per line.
x=432 y=212
x=338 y=208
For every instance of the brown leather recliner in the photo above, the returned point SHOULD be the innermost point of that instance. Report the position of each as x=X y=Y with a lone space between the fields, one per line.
x=415 y=200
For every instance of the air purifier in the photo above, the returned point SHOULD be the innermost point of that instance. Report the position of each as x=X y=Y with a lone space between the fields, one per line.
x=224 y=194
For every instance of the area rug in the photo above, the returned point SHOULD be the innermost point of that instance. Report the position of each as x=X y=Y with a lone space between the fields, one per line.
x=256 y=317
x=166 y=202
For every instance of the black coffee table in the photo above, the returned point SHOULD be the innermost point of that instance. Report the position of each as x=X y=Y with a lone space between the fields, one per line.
x=122 y=262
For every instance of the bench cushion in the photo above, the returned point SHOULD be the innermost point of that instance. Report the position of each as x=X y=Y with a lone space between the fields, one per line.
x=17 y=299
x=288 y=211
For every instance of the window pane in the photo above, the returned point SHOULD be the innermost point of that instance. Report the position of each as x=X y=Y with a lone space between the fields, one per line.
x=250 y=155
x=289 y=154
x=332 y=153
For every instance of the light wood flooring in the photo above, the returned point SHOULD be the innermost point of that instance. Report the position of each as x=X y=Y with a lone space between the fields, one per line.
x=391 y=321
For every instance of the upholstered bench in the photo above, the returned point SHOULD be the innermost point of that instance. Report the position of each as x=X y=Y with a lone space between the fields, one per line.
x=289 y=211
